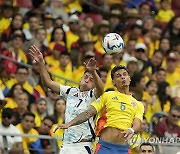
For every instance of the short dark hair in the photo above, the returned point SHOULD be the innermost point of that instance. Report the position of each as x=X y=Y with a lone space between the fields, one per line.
x=175 y=107
x=21 y=67
x=49 y=118
x=147 y=144
x=103 y=69
x=116 y=68
x=28 y=114
x=161 y=69
x=150 y=82
x=136 y=78
x=41 y=99
x=7 y=112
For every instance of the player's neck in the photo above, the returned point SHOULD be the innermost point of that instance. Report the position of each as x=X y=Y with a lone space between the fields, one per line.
x=124 y=90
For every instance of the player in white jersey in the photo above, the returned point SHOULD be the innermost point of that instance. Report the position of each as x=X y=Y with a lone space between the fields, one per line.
x=77 y=139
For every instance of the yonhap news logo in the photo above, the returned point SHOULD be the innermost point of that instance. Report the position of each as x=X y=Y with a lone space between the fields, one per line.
x=154 y=140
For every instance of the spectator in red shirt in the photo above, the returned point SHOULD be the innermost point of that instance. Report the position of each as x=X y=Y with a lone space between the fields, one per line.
x=168 y=127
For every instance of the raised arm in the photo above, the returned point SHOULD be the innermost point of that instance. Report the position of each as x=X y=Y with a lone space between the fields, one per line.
x=99 y=85
x=82 y=117
x=38 y=57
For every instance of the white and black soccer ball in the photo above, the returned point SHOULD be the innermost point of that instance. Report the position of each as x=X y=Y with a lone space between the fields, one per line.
x=113 y=43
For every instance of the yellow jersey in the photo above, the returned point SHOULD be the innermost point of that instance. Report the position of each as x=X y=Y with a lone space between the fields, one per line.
x=51 y=61
x=59 y=133
x=121 y=109
x=26 y=85
x=11 y=103
x=27 y=141
x=164 y=15
x=57 y=71
x=173 y=78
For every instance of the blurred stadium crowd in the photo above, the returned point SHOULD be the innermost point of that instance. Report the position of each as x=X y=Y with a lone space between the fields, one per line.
x=70 y=32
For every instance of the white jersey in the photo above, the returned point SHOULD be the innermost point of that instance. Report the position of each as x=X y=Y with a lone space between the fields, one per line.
x=76 y=103
x=10 y=138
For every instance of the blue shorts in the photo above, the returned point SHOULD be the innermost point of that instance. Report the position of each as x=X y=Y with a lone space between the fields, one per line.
x=104 y=147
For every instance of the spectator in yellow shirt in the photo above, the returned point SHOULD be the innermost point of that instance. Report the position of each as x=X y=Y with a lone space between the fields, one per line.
x=79 y=70
x=63 y=70
x=151 y=39
x=89 y=24
x=22 y=107
x=150 y=97
x=12 y=96
x=26 y=127
x=21 y=77
x=58 y=36
x=41 y=111
x=59 y=133
x=72 y=33
x=137 y=86
x=72 y=5
x=53 y=59
x=164 y=95
x=16 y=24
x=164 y=45
x=59 y=110
x=108 y=64
x=59 y=116
x=172 y=75
x=103 y=28
x=160 y=75
x=48 y=24
x=165 y=14
x=6 y=14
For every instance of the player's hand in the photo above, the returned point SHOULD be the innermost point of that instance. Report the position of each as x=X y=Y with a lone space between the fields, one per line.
x=91 y=65
x=61 y=126
x=36 y=54
x=127 y=134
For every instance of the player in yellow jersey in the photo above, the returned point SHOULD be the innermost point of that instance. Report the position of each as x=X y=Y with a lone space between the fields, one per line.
x=124 y=115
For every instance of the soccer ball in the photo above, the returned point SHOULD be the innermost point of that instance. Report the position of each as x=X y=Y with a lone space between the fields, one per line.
x=113 y=43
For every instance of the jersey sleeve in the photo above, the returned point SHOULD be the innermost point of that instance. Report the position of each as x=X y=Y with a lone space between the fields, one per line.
x=140 y=111
x=64 y=91
x=99 y=103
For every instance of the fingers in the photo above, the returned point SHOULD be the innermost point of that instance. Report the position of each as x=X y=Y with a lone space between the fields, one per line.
x=31 y=53
x=61 y=126
x=84 y=63
x=55 y=129
x=34 y=49
x=125 y=133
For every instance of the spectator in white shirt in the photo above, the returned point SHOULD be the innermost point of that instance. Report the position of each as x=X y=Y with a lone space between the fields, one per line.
x=7 y=127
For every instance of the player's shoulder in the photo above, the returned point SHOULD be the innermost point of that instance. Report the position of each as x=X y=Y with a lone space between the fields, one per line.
x=110 y=92
x=138 y=102
x=71 y=90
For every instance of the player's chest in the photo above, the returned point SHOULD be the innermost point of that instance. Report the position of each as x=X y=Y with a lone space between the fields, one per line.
x=79 y=100
x=116 y=103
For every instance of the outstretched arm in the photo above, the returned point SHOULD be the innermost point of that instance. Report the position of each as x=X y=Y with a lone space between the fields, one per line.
x=82 y=117
x=99 y=85
x=38 y=57
x=128 y=133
